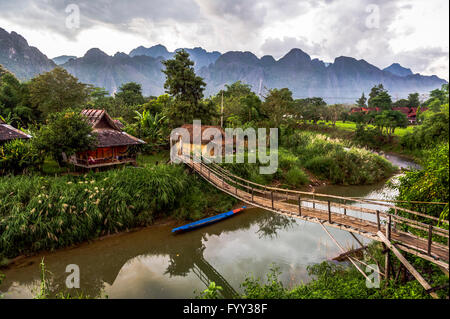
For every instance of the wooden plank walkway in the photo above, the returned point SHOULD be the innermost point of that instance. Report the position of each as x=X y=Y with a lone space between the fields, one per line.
x=334 y=211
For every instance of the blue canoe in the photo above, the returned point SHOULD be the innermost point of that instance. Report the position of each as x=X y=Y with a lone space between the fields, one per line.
x=207 y=221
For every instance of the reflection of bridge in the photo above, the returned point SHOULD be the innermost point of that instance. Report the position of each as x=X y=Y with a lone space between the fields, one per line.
x=339 y=212
x=207 y=273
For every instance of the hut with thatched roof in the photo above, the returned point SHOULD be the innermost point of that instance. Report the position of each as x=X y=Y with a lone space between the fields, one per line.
x=113 y=147
x=8 y=133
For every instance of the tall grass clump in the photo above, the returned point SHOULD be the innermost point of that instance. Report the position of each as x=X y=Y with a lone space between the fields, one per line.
x=329 y=159
x=289 y=173
x=51 y=212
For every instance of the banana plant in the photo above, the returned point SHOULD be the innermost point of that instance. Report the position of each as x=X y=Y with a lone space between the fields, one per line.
x=151 y=126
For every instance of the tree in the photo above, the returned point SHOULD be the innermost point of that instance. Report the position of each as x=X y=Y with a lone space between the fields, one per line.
x=251 y=107
x=67 y=132
x=361 y=102
x=378 y=97
x=241 y=105
x=277 y=105
x=309 y=109
x=333 y=112
x=159 y=104
x=413 y=100
x=14 y=101
x=56 y=91
x=382 y=101
x=236 y=89
x=390 y=120
x=3 y=71
x=187 y=89
x=181 y=81
x=401 y=103
x=130 y=94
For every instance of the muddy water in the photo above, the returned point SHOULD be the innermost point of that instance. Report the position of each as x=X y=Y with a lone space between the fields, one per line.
x=153 y=263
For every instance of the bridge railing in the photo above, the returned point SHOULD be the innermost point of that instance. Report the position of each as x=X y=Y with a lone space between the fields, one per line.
x=425 y=225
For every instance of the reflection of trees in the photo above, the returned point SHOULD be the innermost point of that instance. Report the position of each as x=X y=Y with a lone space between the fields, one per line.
x=271 y=223
x=185 y=253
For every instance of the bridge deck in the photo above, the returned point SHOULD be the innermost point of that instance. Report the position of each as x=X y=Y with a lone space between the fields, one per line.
x=286 y=202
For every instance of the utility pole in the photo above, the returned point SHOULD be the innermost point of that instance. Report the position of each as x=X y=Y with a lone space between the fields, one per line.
x=221 y=112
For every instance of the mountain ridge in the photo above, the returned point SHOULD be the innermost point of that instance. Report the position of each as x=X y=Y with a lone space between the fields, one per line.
x=341 y=81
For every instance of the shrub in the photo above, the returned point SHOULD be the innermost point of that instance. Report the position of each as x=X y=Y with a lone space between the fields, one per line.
x=66 y=132
x=18 y=156
x=296 y=177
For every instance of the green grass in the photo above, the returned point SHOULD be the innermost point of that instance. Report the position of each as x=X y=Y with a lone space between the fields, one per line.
x=51 y=167
x=151 y=159
x=351 y=127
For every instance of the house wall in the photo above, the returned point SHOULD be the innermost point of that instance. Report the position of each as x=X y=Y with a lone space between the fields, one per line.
x=193 y=148
x=104 y=152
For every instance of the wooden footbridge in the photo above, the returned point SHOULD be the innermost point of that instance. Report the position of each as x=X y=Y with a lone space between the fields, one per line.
x=387 y=223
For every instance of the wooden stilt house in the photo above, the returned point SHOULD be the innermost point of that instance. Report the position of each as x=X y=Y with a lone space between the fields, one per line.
x=114 y=146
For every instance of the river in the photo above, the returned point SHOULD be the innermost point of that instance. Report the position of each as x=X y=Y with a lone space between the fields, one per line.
x=153 y=263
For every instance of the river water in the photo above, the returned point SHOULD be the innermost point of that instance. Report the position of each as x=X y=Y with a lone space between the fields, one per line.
x=153 y=263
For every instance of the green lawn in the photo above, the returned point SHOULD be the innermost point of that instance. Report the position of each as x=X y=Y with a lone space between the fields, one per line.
x=150 y=159
x=351 y=126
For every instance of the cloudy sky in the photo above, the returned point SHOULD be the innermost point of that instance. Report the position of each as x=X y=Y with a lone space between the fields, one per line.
x=414 y=33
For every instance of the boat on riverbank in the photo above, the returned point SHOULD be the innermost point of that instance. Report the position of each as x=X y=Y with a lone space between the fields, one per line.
x=207 y=221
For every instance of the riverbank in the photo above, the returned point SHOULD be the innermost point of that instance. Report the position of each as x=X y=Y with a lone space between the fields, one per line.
x=347 y=132
x=51 y=212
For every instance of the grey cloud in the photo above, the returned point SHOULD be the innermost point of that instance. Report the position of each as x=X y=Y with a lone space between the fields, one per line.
x=118 y=14
x=239 y=25
x=279 y=47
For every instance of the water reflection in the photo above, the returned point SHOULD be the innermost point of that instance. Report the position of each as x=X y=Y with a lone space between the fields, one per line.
x=147 y=260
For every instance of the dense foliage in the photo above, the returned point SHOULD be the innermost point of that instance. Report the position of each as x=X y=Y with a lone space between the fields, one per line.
x=330 y=281
x=331 y=160
x=433 y=130
x=50 y=212
x=66 y=132
x=429 y=184
x=56 y=91
x=18 y=156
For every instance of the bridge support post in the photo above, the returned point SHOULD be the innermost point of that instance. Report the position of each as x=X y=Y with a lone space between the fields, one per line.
x=299 y=206
x=329 y=212
x=271 y=196
x=345 y=209
x=252 y=195
x=387 y=260
x=430 y=239
x=378 y=220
